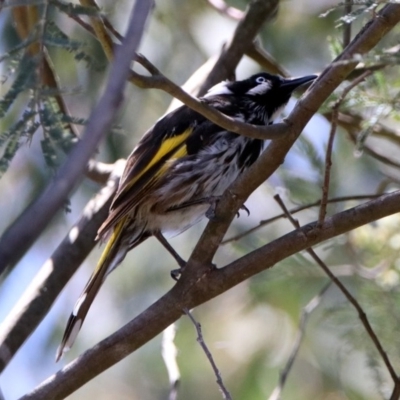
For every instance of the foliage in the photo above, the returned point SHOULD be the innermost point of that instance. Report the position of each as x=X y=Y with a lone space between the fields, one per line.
x=251 y=329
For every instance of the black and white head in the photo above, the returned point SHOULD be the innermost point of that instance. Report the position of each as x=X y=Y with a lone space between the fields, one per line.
x=266 y=93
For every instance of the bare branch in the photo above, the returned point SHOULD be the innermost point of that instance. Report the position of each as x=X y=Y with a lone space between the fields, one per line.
x=158 y=81
x=353 y=122
x=209 y=356
x=347 y=25
x=296 y=210
x=56 y=272
x=223 y=8
x=169 y=353
x=31 y=223
x=328 y=157
x=98 y=171
x=99 y=28
x=257 y=13
x=275 y=153
x=201 y=281
x=352 y=300
x=199 y=285
x=307 y=310
x=257 y=53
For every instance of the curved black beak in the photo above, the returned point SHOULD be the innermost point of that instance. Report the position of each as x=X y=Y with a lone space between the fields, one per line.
x=293 y=83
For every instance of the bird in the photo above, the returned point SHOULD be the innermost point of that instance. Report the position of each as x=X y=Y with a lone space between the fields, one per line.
x=178 y=167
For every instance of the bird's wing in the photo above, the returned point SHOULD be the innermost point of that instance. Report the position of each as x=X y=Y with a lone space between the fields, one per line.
x=149 y=161
x=177 y=134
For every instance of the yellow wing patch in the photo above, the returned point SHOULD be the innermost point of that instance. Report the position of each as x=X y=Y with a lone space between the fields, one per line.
x=110 y=243
x=166 y=147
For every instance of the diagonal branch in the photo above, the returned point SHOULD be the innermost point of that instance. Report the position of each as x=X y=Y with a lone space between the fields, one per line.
x=56 y=271
x=28 y=226
x=200 y=286
x=296 y=210
x=275 y=153
x=329 y=148
x=350 y=298
x=307 y=310
x=207 y=352
x=257 y=13
x=158 y=81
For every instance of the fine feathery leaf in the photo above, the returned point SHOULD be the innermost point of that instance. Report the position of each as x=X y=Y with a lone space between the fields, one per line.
x=75 y=9
x=55 y=128
x=11 y=138
x=54 y=36
x=23 y=81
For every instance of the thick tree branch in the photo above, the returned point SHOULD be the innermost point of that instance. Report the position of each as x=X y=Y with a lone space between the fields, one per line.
x=296 y=210
x=28 y=226
x=350 y=298
x=274 y=155
x=200 y=281
x=56 y=272
x=200 y=286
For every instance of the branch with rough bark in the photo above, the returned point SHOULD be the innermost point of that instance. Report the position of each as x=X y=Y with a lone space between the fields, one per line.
x=200 y=280
x=200 y=285
x=38 y=298
x=25 y=230
x=22 y=233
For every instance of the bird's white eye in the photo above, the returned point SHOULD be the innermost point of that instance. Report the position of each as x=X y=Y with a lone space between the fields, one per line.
x=261 y=79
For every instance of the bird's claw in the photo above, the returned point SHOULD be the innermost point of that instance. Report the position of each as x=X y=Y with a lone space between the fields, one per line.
x=176 y=274
x=244 y=208
x=212 y=200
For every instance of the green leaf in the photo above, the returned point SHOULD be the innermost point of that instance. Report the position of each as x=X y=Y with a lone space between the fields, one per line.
x=24 y=80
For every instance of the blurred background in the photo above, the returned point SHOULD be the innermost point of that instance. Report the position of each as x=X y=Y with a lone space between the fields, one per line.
x=251 y=329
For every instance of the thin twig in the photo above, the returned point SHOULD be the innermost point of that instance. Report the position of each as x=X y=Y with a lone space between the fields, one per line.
x=328 y=165
x=99 y=28
x=98 y=171
x=352 y=300
x=257 y=13
x=208 y=354
x=257 y=53
x=296 y=210
x=328 y=156
x=158 y=81
x=224 y=9
x=347 y=25
x=111 y=28
x=307 y=310
x=169 y=352
x=353 y=122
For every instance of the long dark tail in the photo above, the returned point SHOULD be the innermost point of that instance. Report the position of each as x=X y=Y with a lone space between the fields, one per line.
x=111 y=257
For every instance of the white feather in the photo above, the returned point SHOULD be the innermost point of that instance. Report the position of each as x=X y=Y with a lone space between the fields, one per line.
x=219 y=88
x=261 y=88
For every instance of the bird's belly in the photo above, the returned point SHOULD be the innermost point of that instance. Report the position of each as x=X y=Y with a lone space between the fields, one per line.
x=192 y=184
x=177 y=221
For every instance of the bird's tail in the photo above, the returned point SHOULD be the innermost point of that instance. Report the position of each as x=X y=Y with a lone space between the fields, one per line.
x=112 y=255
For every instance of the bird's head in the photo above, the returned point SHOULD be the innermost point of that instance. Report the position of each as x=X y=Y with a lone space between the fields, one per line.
x=267 y=92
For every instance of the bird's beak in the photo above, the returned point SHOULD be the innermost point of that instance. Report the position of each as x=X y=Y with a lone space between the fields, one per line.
x=293 y=83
